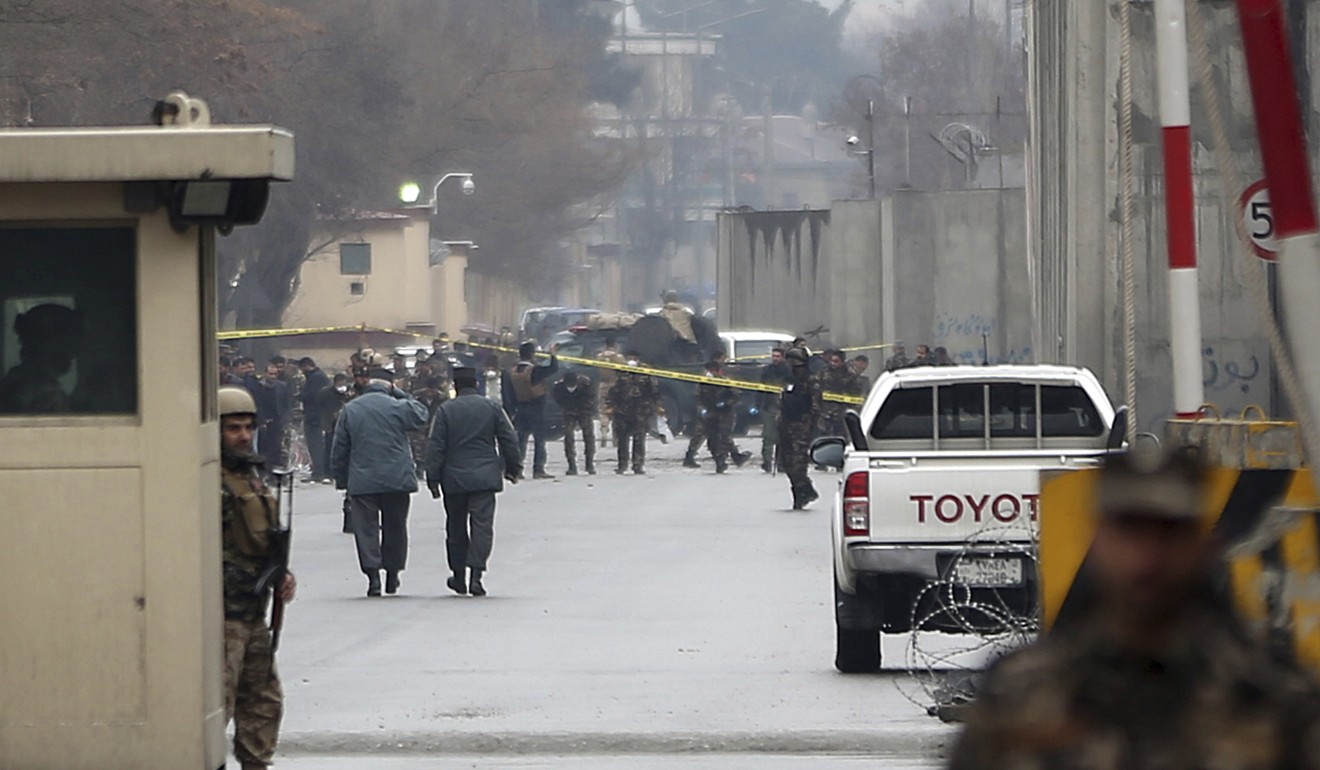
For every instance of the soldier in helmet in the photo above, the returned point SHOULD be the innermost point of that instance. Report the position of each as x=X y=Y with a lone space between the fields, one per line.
x=1152 y=670
x=799 y=408
x=632 y=400
x=254 y=699
x=715 y=404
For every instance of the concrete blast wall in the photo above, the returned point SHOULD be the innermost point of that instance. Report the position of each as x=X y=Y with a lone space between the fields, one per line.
x=934 y=268
x=1076 y=237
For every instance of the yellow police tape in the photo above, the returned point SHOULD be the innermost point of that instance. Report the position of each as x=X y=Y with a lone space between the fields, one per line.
x=662 y=373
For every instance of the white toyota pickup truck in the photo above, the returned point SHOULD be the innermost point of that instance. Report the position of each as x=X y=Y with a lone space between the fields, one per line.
x=940 y=482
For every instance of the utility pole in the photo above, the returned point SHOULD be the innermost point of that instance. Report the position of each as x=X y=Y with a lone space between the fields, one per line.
x=870 y=143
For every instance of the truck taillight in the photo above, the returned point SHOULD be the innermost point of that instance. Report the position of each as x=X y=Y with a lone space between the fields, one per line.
x=857 y=504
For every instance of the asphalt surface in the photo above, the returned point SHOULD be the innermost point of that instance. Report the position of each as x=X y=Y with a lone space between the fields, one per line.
x=677 y=619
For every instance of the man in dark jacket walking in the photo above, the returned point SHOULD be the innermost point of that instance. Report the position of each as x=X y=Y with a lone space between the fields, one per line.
x=314 y=389
x=371 y=459
x=473 y=449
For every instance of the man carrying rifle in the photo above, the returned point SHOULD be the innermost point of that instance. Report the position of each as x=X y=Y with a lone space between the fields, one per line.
x=255 y=562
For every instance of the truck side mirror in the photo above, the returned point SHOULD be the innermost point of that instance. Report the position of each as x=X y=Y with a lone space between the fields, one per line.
x=1118 y=431
x=828 y=451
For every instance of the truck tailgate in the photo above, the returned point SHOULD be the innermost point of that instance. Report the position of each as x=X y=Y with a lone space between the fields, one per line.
x=954 y=499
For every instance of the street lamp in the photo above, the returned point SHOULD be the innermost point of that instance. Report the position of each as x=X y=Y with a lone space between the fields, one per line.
x=410 y=192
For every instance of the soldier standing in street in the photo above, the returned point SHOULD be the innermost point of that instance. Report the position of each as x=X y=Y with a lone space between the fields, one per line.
x=430 y=393
x=799 y=407
x=776 y=373
x=473 y=451
x=1152 y=671
x=525 y=390
x=632 y=400
x=576 y=397
x=609 y=354
x=254 y=700
x=838 y=378
x=716 y=403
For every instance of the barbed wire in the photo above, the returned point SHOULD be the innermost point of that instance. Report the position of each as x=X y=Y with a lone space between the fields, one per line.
x=976 y=625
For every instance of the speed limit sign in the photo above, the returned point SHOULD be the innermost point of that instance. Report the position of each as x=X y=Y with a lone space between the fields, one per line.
x=1258 y=220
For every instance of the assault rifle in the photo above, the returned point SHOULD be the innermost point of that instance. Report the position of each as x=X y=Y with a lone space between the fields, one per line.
x=279 y=537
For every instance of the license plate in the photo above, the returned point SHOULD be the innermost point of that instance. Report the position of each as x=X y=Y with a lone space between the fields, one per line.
x=988 y=573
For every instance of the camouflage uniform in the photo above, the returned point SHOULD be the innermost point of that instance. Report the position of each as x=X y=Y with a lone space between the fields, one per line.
x=842 y=381
x=578 y=408
x=418 y=438
x=254 y=700
x=777 y=375
x=795 y=431
x=607 y=379
x=1211 y=699
x=716 y=404
x=632 y=400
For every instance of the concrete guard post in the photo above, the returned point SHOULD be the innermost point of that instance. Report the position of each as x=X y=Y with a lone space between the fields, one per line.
x=110 y=612
x=1262 y=505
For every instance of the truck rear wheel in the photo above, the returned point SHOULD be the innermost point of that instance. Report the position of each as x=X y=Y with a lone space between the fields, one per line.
x=857 y=625
x=857 y=651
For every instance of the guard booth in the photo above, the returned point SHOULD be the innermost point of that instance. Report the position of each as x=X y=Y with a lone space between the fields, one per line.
x=110 y=582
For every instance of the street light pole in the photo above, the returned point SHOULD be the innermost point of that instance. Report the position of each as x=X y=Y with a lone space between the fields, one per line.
x=870 y=143
x=410 y=192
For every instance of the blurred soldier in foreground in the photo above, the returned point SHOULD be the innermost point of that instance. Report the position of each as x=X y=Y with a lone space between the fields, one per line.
x=1153 y=671
x=254 y=699
x=776 y=373
x=576 y=397
x=371 y=459
x=838 y=378
x=715 y=404
x=632 y=400
x=472 y=451
x=799 y=406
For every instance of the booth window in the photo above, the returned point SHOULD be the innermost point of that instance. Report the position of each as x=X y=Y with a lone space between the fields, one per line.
x=68 y=305
x=355 y=259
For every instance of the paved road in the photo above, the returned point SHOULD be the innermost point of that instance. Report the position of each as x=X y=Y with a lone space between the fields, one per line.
x=679 y=618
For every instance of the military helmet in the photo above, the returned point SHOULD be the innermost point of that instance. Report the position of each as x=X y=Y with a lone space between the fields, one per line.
x=797 y=356
x=236 y=400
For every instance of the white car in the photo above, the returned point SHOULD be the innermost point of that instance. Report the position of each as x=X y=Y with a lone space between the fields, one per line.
x=940 y=484
x=754 y=346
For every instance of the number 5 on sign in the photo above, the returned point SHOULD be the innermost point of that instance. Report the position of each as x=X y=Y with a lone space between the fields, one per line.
x=1258 y=220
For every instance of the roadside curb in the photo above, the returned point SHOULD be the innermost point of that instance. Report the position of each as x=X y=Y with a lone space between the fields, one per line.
x=916 y=743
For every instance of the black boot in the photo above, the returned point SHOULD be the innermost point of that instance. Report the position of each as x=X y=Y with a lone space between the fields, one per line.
x=740 y=458
x=809 y=494
x=690 y=462
x=391 y=581
x=591 y=468
x=458 y=583
x=797 y=499
x=373 y=583
x=721 y=465
x=474 y=585
x=572 y=469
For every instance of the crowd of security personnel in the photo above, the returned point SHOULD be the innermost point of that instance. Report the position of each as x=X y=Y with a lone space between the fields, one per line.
x=1154 y=672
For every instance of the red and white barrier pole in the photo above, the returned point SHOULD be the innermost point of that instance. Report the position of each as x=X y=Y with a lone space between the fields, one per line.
x=1180 y=207
x=1288 y=173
